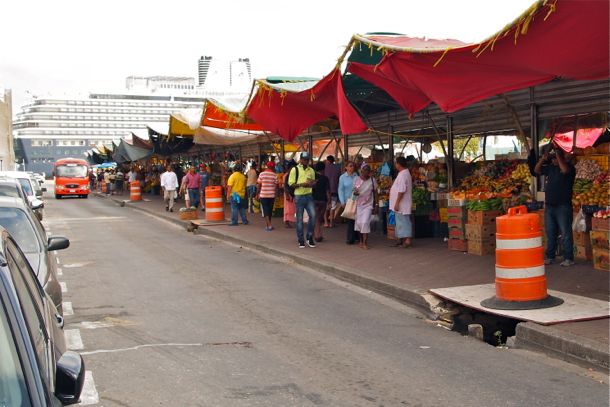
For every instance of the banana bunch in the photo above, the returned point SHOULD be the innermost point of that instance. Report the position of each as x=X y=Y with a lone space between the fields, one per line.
x=521 y=173
x=582 y=185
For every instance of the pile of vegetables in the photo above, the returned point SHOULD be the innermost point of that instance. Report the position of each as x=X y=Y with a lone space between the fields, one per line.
x=421 y=197
x=587 y=169
x=497 y=179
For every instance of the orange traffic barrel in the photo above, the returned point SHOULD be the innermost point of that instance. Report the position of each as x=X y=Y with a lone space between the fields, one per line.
x=214 y=206
x=520 y=274
x=135 y=193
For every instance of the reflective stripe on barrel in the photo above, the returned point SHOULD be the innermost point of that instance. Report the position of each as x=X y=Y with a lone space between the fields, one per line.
x=135 y=194
x=520 y=274
x=214 y=206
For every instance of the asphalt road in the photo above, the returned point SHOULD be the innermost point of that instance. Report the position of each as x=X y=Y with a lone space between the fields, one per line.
x=169 y=318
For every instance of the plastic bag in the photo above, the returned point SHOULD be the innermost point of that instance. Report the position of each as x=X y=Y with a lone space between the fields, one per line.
x=385 y=169
x=375 y=222
x=392 y=219
x=580 y=222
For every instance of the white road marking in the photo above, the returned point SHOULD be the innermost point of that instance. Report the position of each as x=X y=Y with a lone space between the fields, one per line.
x=76 y=265
x=90 y=219
x=67 y=307
x=60 y=272
x=89 y=394
x=152 y=345
x=64 y=287
x=73 y=339
x=57 y=260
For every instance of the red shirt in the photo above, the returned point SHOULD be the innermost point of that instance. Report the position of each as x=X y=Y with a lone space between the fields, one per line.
x=193 y=181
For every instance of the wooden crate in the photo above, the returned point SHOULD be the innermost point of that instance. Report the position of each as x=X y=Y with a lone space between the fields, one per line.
x=601 y=259
x=581 y=238
x=457 y=233
x=481 y=248
x=483 y=217
x=480 y=232
x=188 y=215
x=456 y=223
x=459 y=245
x=583 y=252
x=457 y=212
x=600 y=239
x=600 y=224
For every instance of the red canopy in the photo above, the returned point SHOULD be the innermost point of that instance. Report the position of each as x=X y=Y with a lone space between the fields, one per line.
x=288 y=113
x=554 y=38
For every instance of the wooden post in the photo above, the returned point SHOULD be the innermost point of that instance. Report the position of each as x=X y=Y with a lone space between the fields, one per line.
x=391 y=145
x=345 y=149
x=450 y=160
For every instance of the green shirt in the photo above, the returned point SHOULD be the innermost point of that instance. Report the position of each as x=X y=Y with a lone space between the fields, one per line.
x=305 y=175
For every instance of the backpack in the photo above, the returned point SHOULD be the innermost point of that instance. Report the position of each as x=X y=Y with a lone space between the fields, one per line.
x=290 y=189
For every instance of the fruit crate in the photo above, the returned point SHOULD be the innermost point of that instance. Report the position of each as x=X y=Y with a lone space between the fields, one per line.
x=443 y=214
x=581 y=238
x=457 y=212
x=600 y=239
x=483 y=217
x=481 y=247
x=601 y=259
x=188 y=215
x=583 y=252
x=600 y=224
x=459 y=245
x=456 y=233
x=480 y=232
x=456 y=223
x=456 y=202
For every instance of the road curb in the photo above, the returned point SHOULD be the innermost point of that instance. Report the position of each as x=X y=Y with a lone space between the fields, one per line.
x=564 y=345
x=424 y=303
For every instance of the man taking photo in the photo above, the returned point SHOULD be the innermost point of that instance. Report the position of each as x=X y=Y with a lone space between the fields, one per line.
x=560 y=174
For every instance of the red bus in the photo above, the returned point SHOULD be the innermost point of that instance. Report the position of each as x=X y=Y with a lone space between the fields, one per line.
x=71 y=177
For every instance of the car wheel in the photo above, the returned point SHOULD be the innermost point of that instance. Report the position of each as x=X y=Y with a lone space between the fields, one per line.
x=85 y=196
x=57 y=196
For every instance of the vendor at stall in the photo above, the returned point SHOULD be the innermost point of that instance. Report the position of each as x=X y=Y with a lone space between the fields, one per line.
x=560 y=174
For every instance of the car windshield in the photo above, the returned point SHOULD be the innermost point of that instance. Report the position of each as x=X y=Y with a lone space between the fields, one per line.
x=16 y=222
x=13 y=390
x=9 y=190
x=71 y=171
x=26 y=186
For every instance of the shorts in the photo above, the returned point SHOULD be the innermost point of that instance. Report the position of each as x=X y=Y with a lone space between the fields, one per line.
x=404 y=227
x=334 y=201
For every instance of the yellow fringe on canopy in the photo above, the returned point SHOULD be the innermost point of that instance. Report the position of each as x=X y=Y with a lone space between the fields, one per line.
x=438 y=61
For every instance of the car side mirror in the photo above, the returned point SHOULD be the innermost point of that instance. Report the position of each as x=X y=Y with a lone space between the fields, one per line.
x=69 y=377
x=37 y=204
x=57 y=243
x=43 y=189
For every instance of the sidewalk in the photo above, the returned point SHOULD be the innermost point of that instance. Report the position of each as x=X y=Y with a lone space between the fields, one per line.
x=408 y=274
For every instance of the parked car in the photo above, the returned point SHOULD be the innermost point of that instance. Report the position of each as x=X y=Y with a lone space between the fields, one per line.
x=12 y=188
x=36 y=368
x=31 y=188
x=38 y=177
x=31 y=237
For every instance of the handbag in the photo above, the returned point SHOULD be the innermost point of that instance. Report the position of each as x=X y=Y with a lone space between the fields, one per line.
x=350 y=209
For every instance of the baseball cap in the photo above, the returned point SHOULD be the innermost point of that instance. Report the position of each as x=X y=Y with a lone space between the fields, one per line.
x=305 y=155
x=270 y=164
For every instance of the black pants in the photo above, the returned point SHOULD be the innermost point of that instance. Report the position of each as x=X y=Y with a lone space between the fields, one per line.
x=267 y=207
x=352 y=235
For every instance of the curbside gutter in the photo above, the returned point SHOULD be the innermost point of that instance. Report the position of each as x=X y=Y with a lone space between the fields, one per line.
x=564 y=345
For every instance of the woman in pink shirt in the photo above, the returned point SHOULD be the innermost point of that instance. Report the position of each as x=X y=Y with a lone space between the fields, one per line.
x=400 y=203
x=266 y=192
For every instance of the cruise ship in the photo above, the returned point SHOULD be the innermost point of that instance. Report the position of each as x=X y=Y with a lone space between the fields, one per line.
x=49 y=128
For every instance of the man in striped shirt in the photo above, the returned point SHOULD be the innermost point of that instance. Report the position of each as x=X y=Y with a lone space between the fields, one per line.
x=266 y=192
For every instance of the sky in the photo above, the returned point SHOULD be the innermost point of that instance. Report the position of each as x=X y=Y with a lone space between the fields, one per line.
x=67 y=46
